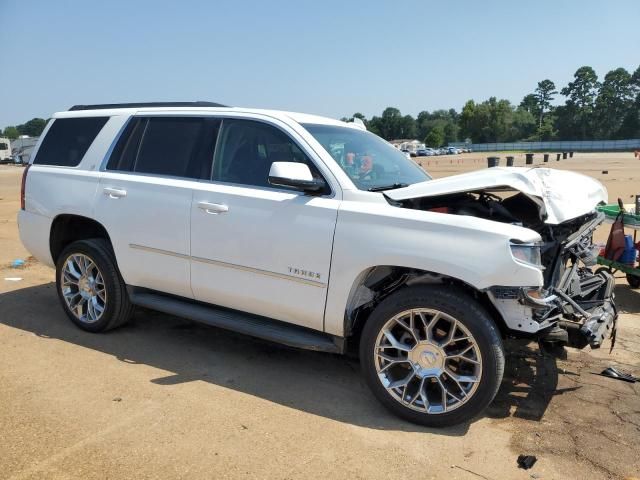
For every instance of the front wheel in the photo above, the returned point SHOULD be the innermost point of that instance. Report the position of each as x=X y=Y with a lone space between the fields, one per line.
x=432 y=355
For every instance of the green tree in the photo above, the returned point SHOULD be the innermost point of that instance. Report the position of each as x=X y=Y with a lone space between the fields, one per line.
x=530 y=104
x=447 y=119
x=11 y=133
x=435 y=138
x=356 y=115
x=523 y=124
x=423 y=124
x=630 y=127
x=547 y=130
x=466 y=120
x=451 y=130
x=393 y=125
x=567 y=122
x=614 y=99
x=591 y=109
x=407 y=127
x=544 y=95
x=33 y=127
x=581 y=95
x=495 y=121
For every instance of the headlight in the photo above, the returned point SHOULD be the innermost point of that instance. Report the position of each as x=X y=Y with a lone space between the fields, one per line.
x=527 y=253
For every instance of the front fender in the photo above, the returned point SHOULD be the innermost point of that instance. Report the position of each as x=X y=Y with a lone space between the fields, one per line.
x=473 y=250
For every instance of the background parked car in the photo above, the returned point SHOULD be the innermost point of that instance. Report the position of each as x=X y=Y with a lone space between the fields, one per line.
x=10 y=161
x=409 y=153
x=425 y=152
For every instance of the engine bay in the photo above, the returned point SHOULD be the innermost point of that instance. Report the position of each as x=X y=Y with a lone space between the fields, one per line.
x=514 y=208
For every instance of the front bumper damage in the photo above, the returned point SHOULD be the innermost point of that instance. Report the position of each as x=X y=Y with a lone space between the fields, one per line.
x=577 y=307
x=586 y=318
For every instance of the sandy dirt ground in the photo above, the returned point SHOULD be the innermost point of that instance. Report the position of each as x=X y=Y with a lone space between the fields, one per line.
x=165 y=398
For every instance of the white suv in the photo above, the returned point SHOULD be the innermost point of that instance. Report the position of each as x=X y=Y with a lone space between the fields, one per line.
x=316 y=234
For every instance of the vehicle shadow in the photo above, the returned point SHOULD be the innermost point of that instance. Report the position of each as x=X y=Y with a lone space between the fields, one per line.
x=531 y=376
x=321 y=384
x=530 y=382
x=627 y=299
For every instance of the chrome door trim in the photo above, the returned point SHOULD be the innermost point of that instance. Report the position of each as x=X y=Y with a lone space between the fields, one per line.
x=159 y=250
x=283 y=276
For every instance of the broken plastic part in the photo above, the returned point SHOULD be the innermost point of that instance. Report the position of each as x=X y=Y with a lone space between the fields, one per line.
x=533 y=298
x=613 y=372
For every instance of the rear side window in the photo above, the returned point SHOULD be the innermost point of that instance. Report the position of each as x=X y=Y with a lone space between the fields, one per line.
x=68 y=140
x=174 y=146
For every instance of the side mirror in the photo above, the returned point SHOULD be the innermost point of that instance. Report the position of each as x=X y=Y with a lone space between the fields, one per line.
x=294 y=175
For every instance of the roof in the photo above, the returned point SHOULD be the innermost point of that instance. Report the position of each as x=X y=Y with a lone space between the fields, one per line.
x=191 y=107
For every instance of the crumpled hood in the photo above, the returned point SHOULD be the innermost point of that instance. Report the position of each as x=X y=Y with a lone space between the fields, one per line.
x=565 y=195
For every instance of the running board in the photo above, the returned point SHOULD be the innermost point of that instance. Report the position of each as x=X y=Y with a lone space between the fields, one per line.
x=241 y=322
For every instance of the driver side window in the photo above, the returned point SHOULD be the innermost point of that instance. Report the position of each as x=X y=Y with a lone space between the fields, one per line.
x=246 y=149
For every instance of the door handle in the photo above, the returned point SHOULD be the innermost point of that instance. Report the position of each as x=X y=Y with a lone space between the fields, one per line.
x=114 y=192
x=213 y=208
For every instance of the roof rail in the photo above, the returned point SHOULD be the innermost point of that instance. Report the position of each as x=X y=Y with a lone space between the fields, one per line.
x=104 y=106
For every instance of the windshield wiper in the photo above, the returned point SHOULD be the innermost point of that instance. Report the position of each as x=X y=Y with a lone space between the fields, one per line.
x=388 y=187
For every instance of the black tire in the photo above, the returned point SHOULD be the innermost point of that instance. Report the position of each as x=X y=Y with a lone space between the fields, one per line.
x=633 y=280
x=118 y=309
x=472 y=316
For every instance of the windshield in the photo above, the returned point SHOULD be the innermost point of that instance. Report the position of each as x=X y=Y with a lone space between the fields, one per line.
x=370 y=162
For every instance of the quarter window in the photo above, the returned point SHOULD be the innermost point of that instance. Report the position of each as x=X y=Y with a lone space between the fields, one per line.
x=68 y=140
x=247 y=149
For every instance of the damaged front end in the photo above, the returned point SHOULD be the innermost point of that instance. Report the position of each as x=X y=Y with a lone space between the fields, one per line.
x=575 y=306
x=584 y=306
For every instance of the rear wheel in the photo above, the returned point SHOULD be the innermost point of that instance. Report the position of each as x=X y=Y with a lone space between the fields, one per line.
x=432 y=355
x=90 y=287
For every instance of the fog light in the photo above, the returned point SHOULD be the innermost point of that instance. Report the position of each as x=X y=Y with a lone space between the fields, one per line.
x=535 y=293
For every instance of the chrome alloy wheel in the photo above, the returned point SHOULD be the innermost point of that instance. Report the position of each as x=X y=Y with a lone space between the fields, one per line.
x=83 y=288
x=428 y=361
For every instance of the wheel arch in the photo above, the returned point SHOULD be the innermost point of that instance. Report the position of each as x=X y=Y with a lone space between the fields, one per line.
x=68 y=228
x=375 y=283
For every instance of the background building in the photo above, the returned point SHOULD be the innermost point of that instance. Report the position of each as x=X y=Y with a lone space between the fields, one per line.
x=407 y=144
x=5 y=148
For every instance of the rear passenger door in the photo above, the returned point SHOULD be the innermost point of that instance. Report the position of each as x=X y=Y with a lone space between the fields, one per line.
x=144 y=197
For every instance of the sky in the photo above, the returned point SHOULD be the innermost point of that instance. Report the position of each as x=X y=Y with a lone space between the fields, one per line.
x=329 y=57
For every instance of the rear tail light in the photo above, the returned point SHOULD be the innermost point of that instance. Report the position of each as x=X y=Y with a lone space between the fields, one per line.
x=23 y=185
